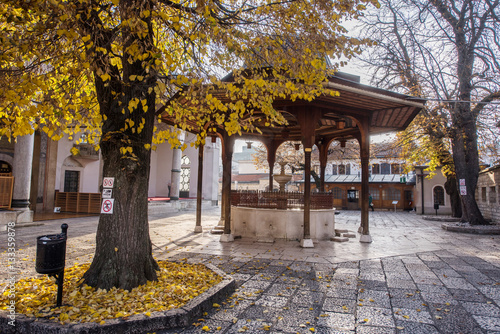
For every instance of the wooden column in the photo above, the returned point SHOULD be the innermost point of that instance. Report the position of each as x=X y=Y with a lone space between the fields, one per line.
x=271 y=159
x=228 y=143
x=364 y=145
x=323 y=158
x=199 y=195
x=307 y=192
x=308 y=122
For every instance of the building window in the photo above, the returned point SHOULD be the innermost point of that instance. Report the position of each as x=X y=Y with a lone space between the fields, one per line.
x=493 y=195
x=316 y=169
x=375 y=193
x=334 y=169
x=438 y=195
x=5 y=168
x=185 y=174
x=385 y=169
x=341 y=169
x=391 y=194
x=483 y=194
x=395 y=169
x=71 y=181
x=348 y=169
x=337 y=193
x=375 y=169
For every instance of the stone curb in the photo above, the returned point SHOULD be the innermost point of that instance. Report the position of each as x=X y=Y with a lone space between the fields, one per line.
x=441 y=218
x=473 y=229
x=139 y=323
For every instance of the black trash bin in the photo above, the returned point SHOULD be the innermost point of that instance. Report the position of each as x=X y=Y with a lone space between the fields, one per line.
x=51 y=252
x=51 y=257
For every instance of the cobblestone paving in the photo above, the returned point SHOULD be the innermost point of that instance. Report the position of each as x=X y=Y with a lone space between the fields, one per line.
x=414 y=277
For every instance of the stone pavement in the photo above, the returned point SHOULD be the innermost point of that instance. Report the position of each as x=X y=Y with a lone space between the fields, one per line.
x=414 y=277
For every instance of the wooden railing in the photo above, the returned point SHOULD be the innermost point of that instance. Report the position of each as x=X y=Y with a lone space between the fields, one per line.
x=6 y=188
x=79 y=202
x=279 y=199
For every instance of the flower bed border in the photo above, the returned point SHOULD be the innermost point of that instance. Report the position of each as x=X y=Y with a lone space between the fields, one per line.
x=138 y=323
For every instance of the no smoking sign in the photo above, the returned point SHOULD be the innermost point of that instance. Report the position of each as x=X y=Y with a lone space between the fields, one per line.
x=108 y=182
x=107 y=206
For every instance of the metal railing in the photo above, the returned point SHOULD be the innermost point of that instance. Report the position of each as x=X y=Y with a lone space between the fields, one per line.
x=284 y=200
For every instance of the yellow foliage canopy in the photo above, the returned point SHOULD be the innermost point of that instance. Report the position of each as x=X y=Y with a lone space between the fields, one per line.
x=73 y=65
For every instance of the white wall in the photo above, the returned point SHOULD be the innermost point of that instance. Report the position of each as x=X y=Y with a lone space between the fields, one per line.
x=160 y=172
x=429 y=185
x=89 y=169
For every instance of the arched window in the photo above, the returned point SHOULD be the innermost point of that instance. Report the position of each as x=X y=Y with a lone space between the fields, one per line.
x=5 y=168
x=337 y=193
x=391 y=194
x=438 y=195
x=185 y=175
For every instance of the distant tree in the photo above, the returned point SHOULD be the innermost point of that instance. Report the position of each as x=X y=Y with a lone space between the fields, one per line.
x=105 y=66
x=446 y=51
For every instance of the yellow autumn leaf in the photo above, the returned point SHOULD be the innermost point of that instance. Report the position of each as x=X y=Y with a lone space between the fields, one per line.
x=105 y=77
x=114 y=303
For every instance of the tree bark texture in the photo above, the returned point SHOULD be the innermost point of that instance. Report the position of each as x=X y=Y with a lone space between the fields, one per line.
x=123 y=256
x=452 y=190
x=466 y=160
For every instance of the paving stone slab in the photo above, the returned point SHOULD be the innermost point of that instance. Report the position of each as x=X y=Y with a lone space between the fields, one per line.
x=374 y=298
x=341 y=293
x=468 y=295
x=272 y=301
x=374 y=330
x=339 y=305
x=413 y=314
x=310 y=284
x=483 y=309
x=488 y=323
x=374 y=316
x=408 y=327
x=401 y=284
x=308 y=298
x=283 y=290
x=255 y=312
x=337 y=321
x=373 y=285
x=243 y=325
x=453 y=319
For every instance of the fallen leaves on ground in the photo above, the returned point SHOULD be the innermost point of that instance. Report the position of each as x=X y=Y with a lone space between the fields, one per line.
x=177 y=284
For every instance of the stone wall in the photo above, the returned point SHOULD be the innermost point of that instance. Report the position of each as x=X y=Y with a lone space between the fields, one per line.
x=488 y=193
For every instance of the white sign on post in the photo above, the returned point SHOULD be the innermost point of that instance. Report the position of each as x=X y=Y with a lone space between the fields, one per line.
x=463 y=190
x=462 y=182
x=106 y=193
x=107 y=206
x=108 y=182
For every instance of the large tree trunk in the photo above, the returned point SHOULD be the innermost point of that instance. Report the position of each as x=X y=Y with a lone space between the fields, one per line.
x=123 y=256
x=452 y=191
x=466 y=159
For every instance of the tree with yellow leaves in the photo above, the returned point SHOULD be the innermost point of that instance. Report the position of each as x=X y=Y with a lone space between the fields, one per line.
x=104 y=67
